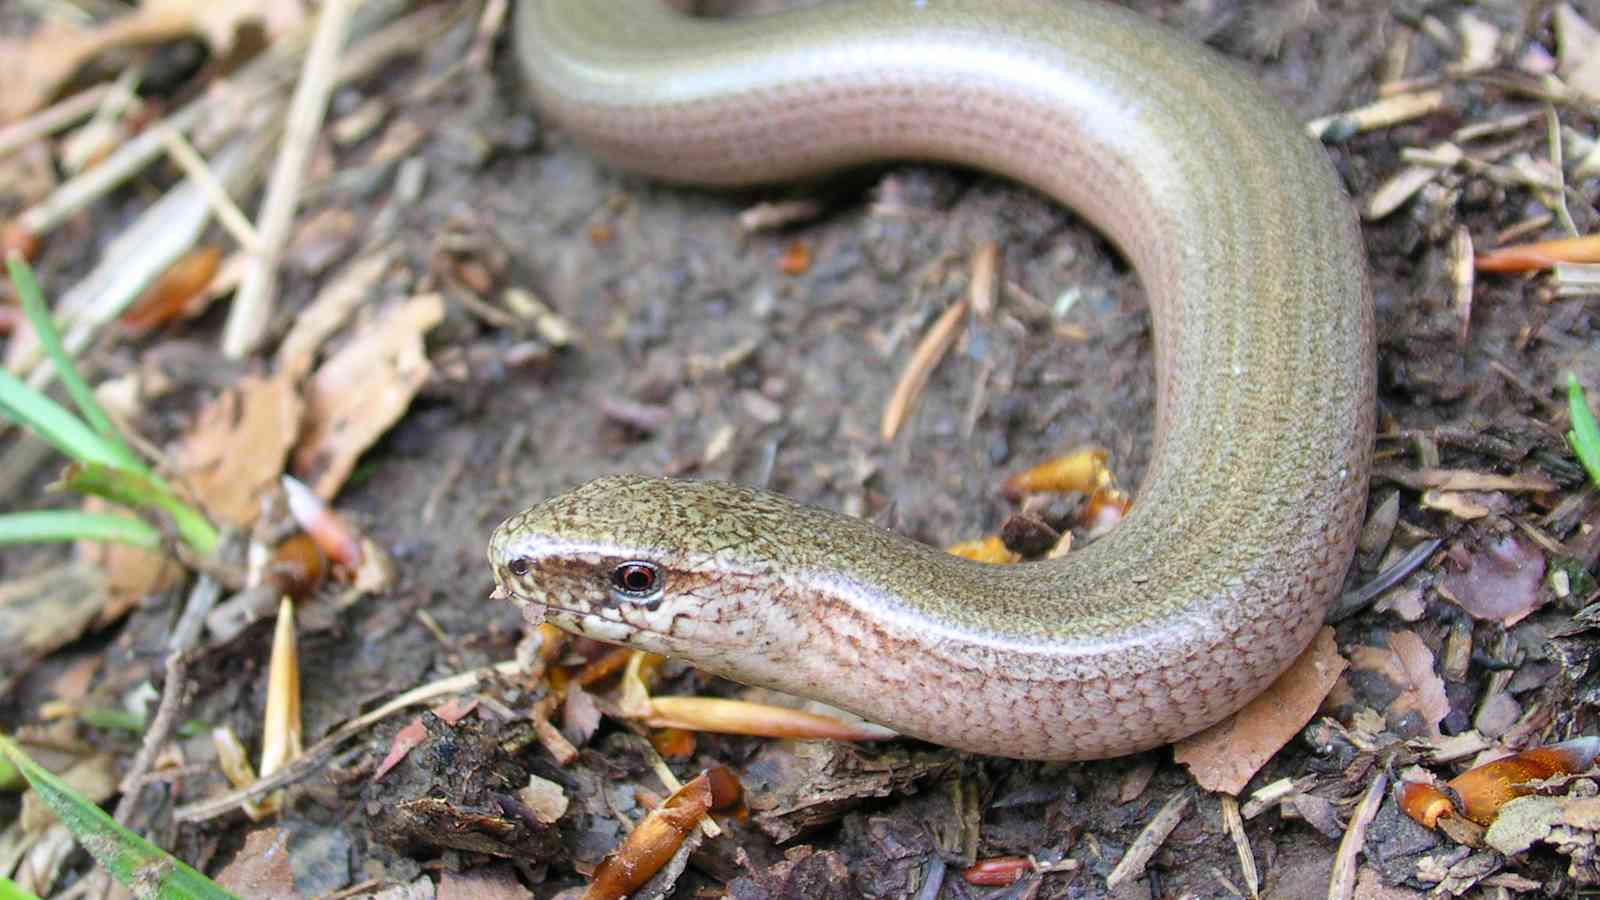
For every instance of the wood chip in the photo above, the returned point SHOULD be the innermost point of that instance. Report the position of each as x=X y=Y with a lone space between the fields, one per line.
x=1341 y=884
x=1465 y=480
x=1461 y=278
x=1241 y=844
x=1133 y=863
x=1378 y=114
x=1400 y=187
x=914 y=377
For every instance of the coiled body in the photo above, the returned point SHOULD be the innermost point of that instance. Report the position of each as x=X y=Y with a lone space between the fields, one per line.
x=1240 y=231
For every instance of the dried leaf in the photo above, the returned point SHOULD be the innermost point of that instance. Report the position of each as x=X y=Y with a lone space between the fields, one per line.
x=1500 y=582
x=219 y=22
x=238 y=446
x=407 y=739
x=1407 y=664
x=1226 y=755
x=365 y=388
x=262 y=866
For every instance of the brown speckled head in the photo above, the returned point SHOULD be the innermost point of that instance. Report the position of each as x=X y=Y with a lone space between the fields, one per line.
x=652 y=562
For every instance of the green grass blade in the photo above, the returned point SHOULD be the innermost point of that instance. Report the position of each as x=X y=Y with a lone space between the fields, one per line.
x=1585 y=433
x=10 y=891
x=122 y=720
x=10 y=778
x=133 y=489
x=142 y=867
x=56 y=425
x=42 y=525
x=142 y=490
x=45 y=329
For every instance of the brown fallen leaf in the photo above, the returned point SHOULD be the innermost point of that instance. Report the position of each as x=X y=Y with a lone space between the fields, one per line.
x=262 y=866
x=1464 y=480
x=362 y=390
x=132 y=573
x=495 y=882
x=239 y=444
x=1499 y=582
x=1225 y=756
x=1407 y=665
x=43 y=612
x=34 y=68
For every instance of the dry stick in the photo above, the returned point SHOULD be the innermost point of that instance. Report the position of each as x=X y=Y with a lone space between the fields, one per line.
x=201 y=600
x=173 y=694
x=937 y=342
x=167 y=230
x=160 y=235
x=216 y=193
x=46 y=122
x=260 y=78
x=1342 y=882
x=1150 y=839
x=1462 y=275
x=1556 y=163
x=252 y=306
x=1241 y=842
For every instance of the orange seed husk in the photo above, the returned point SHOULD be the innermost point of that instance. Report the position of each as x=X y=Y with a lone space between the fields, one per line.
x=1482 y=790
x=171 y=296
x=297 y=566
x=796 y=259
x=998 y=871
x=1540 y=254
x=986 y=550
x=1081 y=470
x=1424 y=802
x=652 y=843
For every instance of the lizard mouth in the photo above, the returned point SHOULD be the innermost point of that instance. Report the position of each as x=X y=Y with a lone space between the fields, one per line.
x=612 y=630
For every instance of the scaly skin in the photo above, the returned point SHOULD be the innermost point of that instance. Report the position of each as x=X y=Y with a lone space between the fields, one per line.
x=1240 y=230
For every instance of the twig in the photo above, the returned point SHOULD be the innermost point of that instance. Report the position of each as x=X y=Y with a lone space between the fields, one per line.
x=201 y=599
x=1150 y=839
x=1357 y=599
x=1241 y=842
x=939 y=339
x=228 y=212
x=1560 y=191
x=46 y=122
x=1342 y=882
x=252 y=306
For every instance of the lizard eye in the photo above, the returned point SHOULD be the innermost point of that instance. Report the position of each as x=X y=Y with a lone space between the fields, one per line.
x=635 y=581
x=519 y=566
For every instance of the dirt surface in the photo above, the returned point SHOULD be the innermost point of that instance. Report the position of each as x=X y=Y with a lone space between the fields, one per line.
x=690 y=327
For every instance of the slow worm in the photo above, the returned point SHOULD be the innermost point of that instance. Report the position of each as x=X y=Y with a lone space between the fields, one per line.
x=1246 y=245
